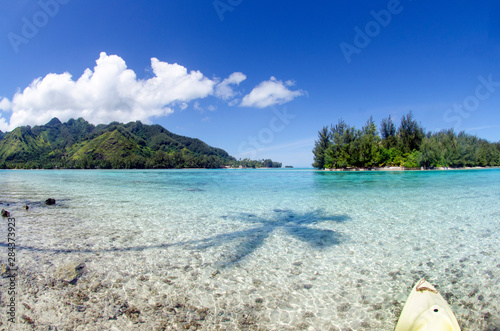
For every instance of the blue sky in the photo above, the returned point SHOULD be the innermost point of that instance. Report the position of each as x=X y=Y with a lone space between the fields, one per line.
x=256 y=78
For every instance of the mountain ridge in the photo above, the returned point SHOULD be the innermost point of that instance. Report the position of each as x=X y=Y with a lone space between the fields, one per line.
x=82 y=145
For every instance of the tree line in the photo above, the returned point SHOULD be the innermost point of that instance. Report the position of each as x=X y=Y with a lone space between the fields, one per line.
x=342 y=146
x=160 y=160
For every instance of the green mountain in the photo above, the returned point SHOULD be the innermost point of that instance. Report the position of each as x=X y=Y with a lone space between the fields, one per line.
x=79 y=144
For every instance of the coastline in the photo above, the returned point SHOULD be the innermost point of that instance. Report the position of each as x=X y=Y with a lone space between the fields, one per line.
x=349 y=169
x=92 y=169
x=405 y=169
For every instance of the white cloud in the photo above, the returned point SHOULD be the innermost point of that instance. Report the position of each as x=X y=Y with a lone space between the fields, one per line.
x=224 y=91
x=5 y=104
x=233 y=102
x=197 y=106
x=111 y=92
x=4 y=126
x=270 y=92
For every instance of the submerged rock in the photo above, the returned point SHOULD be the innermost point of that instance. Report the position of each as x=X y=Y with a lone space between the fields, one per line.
x=50 y=201
x=5 y=271
x=28 y=320
x=5 y=213
x=195 y=190
x=133 y=314
x=70 y=273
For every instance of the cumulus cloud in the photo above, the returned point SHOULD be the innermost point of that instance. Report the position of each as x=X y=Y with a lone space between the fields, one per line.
x=269 y=93
x=5 y=104
x=224 y=90
x=4 y=126
x=197 y=106
x=111 y=92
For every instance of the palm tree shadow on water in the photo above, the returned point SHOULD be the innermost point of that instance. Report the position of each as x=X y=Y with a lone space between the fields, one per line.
x=294 y=224
x=245 y=242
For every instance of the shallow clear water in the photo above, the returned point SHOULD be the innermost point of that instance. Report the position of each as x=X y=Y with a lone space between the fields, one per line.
x=252 y=249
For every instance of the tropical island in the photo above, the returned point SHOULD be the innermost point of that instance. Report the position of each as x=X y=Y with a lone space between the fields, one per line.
x=78 y=144
x=343 y=147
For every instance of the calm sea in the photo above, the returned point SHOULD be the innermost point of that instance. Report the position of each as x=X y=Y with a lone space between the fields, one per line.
x=281 y=249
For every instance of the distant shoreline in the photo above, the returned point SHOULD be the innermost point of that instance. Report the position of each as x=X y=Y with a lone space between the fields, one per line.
x=92 y=169
x=406 y=169
x=353 y=169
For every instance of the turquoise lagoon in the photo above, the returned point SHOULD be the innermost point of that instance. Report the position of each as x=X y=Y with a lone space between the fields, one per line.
x=281 y=249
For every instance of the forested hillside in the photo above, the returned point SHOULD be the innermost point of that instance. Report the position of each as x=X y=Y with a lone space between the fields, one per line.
x=79 y=144
x=344 y=146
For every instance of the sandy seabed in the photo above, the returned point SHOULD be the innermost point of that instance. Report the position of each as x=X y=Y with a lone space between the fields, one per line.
x=265 y=280
x=333 y=260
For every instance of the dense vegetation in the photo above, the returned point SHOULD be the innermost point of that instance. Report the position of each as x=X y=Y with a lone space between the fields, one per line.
x=79 y=144
x=344 y=146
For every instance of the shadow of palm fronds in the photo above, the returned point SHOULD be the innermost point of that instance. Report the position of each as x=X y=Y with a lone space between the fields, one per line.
x=238 y=245
x=244 y=243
